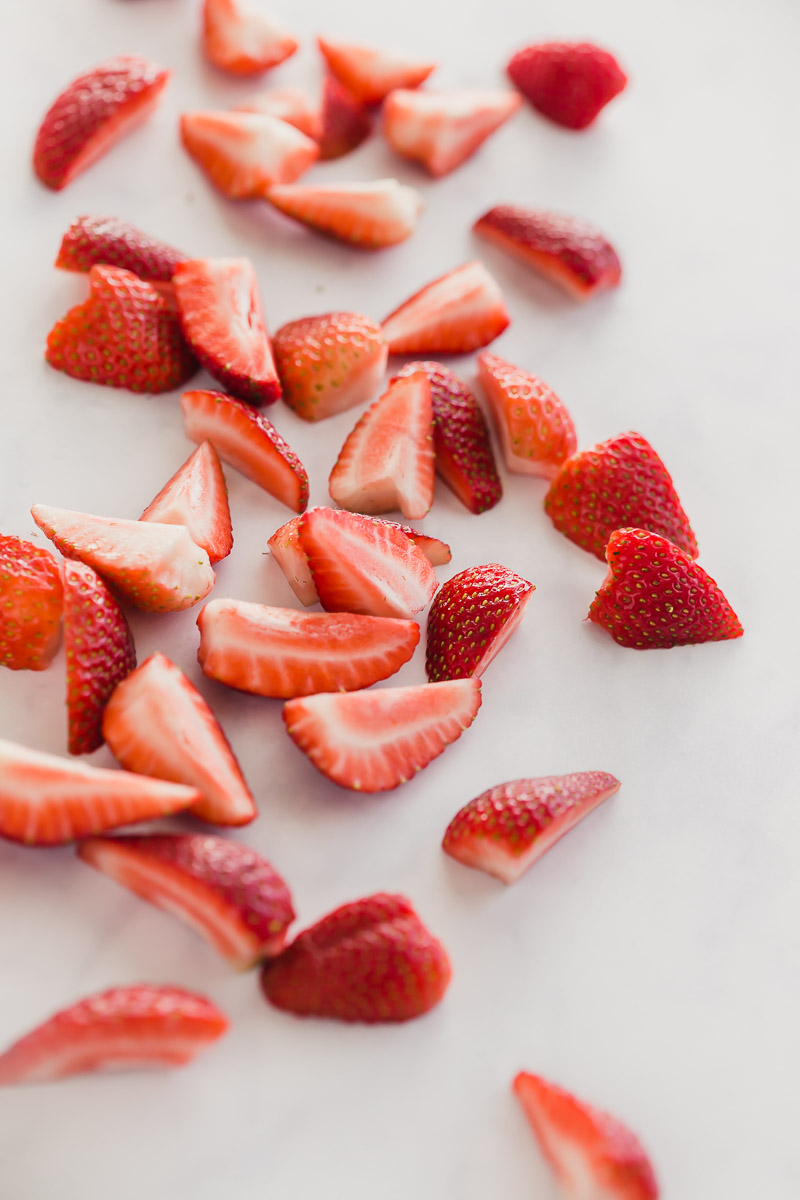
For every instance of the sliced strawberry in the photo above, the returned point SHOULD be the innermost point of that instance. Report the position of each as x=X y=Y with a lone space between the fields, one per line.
x=329 y=363
x=371 y=960
x=387 y=460
x=240 y=38
x=442 y=130
x=156 y=723
x=125 y=335
x=155 y=567
x=111 y=242
x=31 y=599
x=287 y=104
x=93 y=113
x=245 y=153
x=344 y=122
x=463 y=452
x=472 y=617
x=508 y=828
x=457 y=313
x=594 y=1156
x=100 y=653
x=654 y=596
x=369 y=215
x=435 y=550
x=569 y=82
x=533 y=426
x=369 y=73
x=197 y=496
x=140 y=1026
x=249 y=442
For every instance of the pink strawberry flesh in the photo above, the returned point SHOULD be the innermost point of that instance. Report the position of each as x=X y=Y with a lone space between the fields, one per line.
x=31 y=601
x=371 y=73
x=457 y=313
x=370 y=215
x=95 y=240
x=244 y=154
x=472 y=617
x=241 y=38
x=197 y=496
x=443 y=129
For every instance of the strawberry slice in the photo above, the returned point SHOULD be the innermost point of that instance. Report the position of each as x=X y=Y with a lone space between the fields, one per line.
x=111 y=242
x=245 y=153
x=31 y=598
x=370 y=73
x=472 y=617
x=46 y=800
x=139 y=1026
x=655 y=597
x=93 y=113
x=442 y=130
x=508 y=828
x=249 y=442
x=462 y=450
x=533 y=426
x=197 y=496
x=329 y=363
x=369 y=215
x=100 y=653
x=287 y=104
x=435 y=550
x=240 y=38
x=594 y=1156
x=371 y=960
x=156 y=723
x=154 y=567
x=387 y=460
x=344 y=122
x=569 y=82
x=125 y=335
x=457 y=313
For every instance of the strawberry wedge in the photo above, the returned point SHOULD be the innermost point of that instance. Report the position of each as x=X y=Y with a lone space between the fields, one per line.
x=329 y=363
x=245 y=153
x=31 y=603
x=287 y=104
x=370 y=215
x=93 y=240
x=457 y=313
x=441 y=130
x=197 y=496
x=472 y=617
x=370 y=72
x=534 y=428
x=344 y=122
x=239 y=37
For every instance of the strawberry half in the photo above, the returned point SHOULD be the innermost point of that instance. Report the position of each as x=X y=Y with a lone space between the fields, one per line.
x=111 y=242
x=371 y=74
x=140 y=1026
x=508 y=828
x=92 y=114
x=249 y=442
x=245 y=153
x=654 y=596
x=241 y=38
x=226 y=892
x=594 y=1156
x=457 y=313
x=156 y=723
x=197 y=496
x=329 y=363
x=472 y=617
x=533 y=426
x=368 y=215
x=287 y=104
x=344 y=122
x=569 y=82
x=31 y=598
x=372 y=741
x=442 y=130
x=387 y=460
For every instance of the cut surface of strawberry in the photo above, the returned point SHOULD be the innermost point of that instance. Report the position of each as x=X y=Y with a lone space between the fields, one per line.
x=245 y=153
x=344 y=122
x=287 y=104
x=459 y=312
x=329 y=363
x=197 y=496
x=240 y=37
x=441 y=130
x=569 y=82
x=371 y=73
x=472 y=617
x=31 y=598
x=370 y=215
x=436 y=551
x=108 y=241
x=534 y=428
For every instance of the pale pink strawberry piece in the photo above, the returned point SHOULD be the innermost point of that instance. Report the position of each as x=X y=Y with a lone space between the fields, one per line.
x=287 y=104
x=442 y=130
x=370 y=74
x=533 y=426
x=241 y=37
x=370 y=215
x=197 y=496
x=459 y=312
x=246 y=153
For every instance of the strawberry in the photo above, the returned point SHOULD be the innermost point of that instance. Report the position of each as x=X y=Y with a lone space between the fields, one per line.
x=245 y=153
x=226 y=892
x=369 y=215
x=287 y=104
x=100 y=653
x=154 y=567
x=616 y=483
x=463 y=452
x=533 y=426
x=372 y=741
x=197 y=496
x=508 y=828
x=435 y=550
x=114 y=243
x=245 y=439
x=139 y=1026
x=329 y=363
x=654 y=596
x=569 y=82
x=92 y=114
x=386 y=461
x=472 y=617
x=156 y=723
x=344 y=122
x=240 y=38
x=594 y=1156
x=30 y=605
x=442 y=130
x=456 y=313
x=371 y=74
x=125 y=335
x=46 y=800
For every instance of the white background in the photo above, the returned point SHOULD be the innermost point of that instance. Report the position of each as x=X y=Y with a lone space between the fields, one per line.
x=650 y=962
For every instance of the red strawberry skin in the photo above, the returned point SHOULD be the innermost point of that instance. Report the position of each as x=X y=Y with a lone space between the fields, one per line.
x=569 y=82
x=93 y=240
x=329 y=363
x=344 y=122
x=31 y=599
x=535 y=429
x=472 y=617
x=369 y=961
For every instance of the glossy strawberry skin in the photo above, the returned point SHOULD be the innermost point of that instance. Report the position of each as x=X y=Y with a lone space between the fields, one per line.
x=344 y=122
x=93 y=240
x=329 y=363
x=471 y=618
x=569 y=82
x=535 y=429
x=31 y=598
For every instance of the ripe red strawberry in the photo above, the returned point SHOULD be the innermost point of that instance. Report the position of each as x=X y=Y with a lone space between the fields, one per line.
x=572 y=253
x=569 y=82
x=508 y=828
x=245 y=153
x=197 y=496
x=386 y=461
x=472 y=617
x=140 y=1026
x=111 y=242
x=249 y=442
x=443 y=129
x=329 y=363
x=463 y=452
x=46 y=800
x=226 y=892
x=654 y=596
x=240 y=38
x=369 y=215
x=435 y=550
x=287 y=104
x=92 y=114
x=125 y=335
x=372 y=74
x=533 y=426
x=155 y=567
x=30 y=605
x=457 y=313
x=344 y=122
x=100 y=652
x=594 y=1156
x=621 y=482
x=156 y=723
x=372 y=741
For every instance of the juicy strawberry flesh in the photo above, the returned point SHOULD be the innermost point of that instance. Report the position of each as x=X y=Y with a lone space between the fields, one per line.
x=370 y=216
x=330 y=363
x=369 y=74
x=238 y=39
x=441 y=131
x=455 y=314
x=535 y=429
x=197 y=496
x=30 y=603
x=436 y=551
x=244 y=153
x=285 y=548
x=472 y=617
x=344 y=122
x=569 y=82
x=108 y=240
x=287 y=104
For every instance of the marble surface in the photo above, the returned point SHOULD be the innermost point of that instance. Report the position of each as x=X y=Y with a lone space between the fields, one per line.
x=650 y=962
